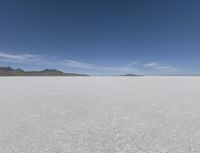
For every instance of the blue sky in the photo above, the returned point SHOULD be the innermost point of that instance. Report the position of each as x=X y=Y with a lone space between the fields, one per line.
x=101 y=36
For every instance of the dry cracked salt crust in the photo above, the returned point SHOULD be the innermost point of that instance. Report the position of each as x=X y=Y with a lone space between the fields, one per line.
x=100 y=114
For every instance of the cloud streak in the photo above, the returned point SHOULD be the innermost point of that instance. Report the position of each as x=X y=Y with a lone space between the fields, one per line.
x=23 y=58
x=76 y=64
x=132 y=64
x=45 y=61
x=118 y=69
x=49 y=61
x=167 y=68
x=153 y=64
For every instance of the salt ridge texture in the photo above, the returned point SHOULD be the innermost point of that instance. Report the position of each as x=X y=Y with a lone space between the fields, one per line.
x=100 y=114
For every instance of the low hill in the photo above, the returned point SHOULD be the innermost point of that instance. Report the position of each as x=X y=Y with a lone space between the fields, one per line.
x=8 y=71
x=131 y=75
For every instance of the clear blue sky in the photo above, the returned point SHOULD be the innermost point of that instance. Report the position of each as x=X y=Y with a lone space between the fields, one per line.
x=101 y=36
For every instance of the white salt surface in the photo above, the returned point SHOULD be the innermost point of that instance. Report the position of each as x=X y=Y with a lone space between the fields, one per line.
x=100 y=114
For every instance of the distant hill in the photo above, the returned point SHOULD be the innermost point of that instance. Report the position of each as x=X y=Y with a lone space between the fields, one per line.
x=131 y=75
x=8 y=71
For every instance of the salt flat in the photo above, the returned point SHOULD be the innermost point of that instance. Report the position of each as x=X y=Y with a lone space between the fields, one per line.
x=99 y=114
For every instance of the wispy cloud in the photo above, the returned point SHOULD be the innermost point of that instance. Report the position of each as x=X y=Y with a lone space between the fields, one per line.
x=76 y=64
x=153 y=64
x=22 y=58
x=157 y=66
x=166 y=68
x=32 y=59
x=100 y=69
x=49 y=61
x=133 y=63
x=119 y=69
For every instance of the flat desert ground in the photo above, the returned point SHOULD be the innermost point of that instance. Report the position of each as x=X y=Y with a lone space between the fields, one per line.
x=100 y=114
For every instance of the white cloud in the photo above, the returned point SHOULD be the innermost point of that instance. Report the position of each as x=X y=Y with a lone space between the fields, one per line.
x=21 y=58
x=77 y=64
x=49 y=61
x=166 y=68
x=116 y=68
x=153 y=64
x=157 y=66
x=132 y=64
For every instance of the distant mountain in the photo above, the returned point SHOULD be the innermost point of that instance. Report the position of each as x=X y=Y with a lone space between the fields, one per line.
x=131 y=75
x=8 y=71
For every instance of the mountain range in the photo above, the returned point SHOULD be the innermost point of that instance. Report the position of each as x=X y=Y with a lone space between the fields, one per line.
x=8 y=71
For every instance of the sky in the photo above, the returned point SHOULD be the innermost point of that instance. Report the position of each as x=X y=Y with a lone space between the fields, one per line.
x=102 y=37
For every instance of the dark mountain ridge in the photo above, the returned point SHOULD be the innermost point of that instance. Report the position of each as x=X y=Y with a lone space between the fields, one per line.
x=8 y=71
